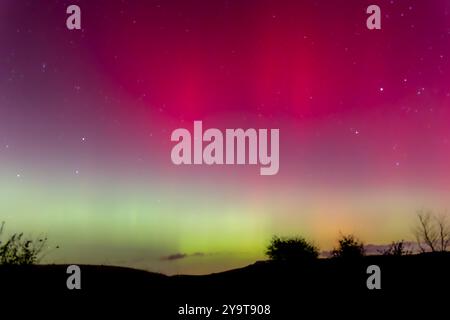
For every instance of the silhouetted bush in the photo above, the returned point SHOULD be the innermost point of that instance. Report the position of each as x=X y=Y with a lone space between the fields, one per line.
x=291 y=249
x=17 y=250
x=397 y=248
x=349 y=248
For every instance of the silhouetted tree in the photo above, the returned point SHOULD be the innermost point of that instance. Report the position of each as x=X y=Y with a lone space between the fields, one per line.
x=432 y=232
x=348 y=248
x=20 y=251
x=443 y=227
x=295 y=249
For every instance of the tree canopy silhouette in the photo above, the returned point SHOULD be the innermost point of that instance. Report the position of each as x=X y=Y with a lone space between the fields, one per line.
x=295 y=249
x=349 y=247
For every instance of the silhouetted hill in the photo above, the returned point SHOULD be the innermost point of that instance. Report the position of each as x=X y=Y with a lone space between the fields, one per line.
x=326 y=285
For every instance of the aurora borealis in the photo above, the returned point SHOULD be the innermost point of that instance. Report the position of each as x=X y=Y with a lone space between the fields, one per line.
x=86 y=118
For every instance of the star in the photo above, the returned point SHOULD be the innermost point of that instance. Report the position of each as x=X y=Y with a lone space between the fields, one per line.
x=381 y=89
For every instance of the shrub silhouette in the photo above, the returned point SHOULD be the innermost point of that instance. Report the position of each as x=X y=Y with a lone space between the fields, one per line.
x=349 y=248
x=397 y=248
x=17 y=250
x=295 y=249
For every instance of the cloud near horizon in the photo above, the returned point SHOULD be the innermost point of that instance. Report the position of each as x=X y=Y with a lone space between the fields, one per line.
x=178 y=256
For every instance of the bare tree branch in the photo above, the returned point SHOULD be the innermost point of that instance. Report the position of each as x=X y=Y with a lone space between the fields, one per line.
x=432 y=232
x=444 y=231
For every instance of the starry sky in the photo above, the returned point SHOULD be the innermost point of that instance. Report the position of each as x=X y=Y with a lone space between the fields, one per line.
x=86 y=117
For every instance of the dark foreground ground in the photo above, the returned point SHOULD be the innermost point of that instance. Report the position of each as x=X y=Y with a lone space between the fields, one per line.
x=325 y=288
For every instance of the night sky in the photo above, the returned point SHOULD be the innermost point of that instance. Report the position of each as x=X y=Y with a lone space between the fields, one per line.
x=86 y=118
